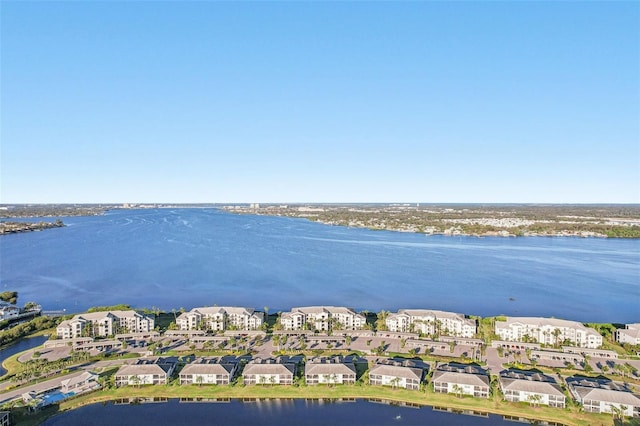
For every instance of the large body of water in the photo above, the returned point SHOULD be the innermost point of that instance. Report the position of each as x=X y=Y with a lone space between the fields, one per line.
x=266 y=413
x=20 y=346
x=172 y=258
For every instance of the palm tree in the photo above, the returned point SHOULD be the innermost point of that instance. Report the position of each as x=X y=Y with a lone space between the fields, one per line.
x=457 y=390
x=556 y=333
x=394 y=382
x=136 y=380
x=534 y=399
x=327 y=378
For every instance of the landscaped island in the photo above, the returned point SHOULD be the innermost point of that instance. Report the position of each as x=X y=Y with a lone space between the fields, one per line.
x=536 y=368
x=615 y=221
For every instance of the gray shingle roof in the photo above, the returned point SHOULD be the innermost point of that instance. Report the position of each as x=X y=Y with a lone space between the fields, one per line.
x=608 y=395
x=282 y=369
x=218 y=369
x=329 y=368
x=397 y=371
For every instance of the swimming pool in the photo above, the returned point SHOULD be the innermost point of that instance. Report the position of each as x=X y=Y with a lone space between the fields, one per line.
x=55 y=396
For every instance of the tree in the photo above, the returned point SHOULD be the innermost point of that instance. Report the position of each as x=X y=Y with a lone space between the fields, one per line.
x=395 y=382
x=534 y=399
x=9 y=297
x=556 y=333
x=136 y=380
x=381 y=321
x=457 y=390
x=199 y=379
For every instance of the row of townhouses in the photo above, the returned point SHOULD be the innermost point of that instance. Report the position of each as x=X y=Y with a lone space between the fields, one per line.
x=220 y=318
x=431 y=322
x=535 y=388
x=104 y=324
x=548 y=331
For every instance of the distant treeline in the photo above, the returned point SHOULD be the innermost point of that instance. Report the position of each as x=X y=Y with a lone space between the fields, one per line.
x=16 y=333
x=54 y=210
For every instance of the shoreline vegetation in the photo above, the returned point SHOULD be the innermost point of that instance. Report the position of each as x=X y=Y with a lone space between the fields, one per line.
x=603 y=221
x=18 y=227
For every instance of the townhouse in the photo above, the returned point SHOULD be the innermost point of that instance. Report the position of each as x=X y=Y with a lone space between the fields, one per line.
x=461 y=379
x=270 y=371
x=330 y=371
x=604 y=396
x=431 y=322
x=219 y=318
x=322 y=318
x=398 y=374
x=146 y=371
x=532 y=387
x=104 y=324
x=548 y=331
x=210 y=371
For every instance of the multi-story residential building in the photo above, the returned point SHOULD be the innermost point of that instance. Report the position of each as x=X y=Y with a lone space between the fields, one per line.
x=146 y=371
x=329 y=371
x=534 y=388
x=630 y=334
x=322 y=318
x=549 y=331
x=220 y=318
x=461 y=379
x=8 y=311
x=398 y=374
x=209 y=371
x=431 y=322
x=604 y=396
x=269 y=371
x=103 y=324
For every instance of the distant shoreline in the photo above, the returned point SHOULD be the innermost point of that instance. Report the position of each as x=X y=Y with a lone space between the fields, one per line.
x=471 y=221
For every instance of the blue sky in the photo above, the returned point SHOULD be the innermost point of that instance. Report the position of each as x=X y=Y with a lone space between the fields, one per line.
x=320 y=102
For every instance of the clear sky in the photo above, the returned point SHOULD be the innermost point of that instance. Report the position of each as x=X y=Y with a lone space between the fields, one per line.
x=320 y=102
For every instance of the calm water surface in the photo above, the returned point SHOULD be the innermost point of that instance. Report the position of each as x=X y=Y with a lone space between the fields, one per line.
x=22 y=345
x=265 y=413
x=173 y=258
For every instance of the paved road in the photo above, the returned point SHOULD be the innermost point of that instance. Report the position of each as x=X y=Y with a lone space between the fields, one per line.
x=54 y=383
